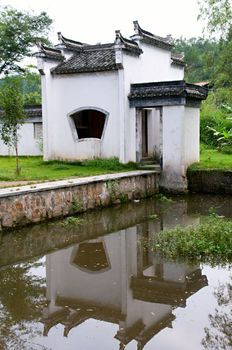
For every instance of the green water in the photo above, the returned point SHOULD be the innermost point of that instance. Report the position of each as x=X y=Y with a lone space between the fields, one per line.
x=97 y=283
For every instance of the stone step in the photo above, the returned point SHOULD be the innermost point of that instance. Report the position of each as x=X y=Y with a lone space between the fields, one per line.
x=147 y=159
x=152 y=166
x=147 y=162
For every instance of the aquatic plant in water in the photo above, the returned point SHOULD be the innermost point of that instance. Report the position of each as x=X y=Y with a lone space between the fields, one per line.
x=209 y=241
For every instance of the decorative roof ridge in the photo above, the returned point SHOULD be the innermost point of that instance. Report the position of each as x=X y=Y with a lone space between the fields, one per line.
x=150 y=332
x=66 y=40
x=179 y=55
x=47 y=48
x=127 y=44
x=49 y=52
x=70 y=44
x=178 y=58
x=151 y=38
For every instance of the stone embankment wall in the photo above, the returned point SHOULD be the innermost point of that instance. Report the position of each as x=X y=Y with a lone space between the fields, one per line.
x=36 y=203
x=210 y=181
x=39 y=239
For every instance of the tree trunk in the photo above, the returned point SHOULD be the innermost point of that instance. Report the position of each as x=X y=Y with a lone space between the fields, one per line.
x=17 y=158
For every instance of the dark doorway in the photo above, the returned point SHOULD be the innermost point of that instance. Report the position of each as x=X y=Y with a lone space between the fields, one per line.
x=144 y=134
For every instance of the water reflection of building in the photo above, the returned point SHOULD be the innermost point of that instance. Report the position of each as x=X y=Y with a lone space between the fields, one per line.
x=117 y=278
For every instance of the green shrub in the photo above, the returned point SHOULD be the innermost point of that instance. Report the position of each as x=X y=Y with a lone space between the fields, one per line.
x=216 y=122
x=226 y=149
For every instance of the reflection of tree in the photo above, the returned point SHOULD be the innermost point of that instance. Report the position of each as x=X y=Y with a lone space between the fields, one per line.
x=219 y=336
x=21 y=301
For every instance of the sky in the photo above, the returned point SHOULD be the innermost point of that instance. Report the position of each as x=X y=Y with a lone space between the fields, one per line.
x=94 y=21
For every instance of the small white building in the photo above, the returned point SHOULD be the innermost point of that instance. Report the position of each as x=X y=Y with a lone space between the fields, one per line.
x=114 y=279
x=30 y=134
x=125 y=99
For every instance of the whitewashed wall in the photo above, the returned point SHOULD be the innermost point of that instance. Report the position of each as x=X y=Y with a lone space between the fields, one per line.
x=28 y=144
x=67 y=94
x=173 y=175
x=192 y=135
x=68 y=280
x=153 y=65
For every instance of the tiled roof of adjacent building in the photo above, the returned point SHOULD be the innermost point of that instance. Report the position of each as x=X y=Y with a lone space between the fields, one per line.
x=202 y=83
x=94 y=60
x=31 y=111
x=164 y=43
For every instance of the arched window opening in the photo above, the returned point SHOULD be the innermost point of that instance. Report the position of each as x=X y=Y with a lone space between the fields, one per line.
x=91 y=257
x=89 y=123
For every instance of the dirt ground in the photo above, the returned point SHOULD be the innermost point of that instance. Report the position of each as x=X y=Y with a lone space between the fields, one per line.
x=4 y=184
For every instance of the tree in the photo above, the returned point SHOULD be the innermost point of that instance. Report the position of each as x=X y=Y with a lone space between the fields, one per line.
x=12 y=116
x=19 y=32
x=224 y=63
x=30 y=85
x=218 y=14
x=219 y=335
x=21 y=303
x=200 y=57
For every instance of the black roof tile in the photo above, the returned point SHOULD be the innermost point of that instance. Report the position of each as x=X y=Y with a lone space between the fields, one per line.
x=169 y=88
x=88 y=61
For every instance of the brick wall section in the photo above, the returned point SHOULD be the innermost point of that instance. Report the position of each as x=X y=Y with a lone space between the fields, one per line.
x=30 y=204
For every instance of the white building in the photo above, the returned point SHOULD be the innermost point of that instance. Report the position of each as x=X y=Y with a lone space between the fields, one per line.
x=115 y=279
x=125 y=99
x=30 y=134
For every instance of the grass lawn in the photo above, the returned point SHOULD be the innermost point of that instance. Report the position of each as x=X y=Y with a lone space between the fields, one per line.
x=213 y=159
x=34 y=168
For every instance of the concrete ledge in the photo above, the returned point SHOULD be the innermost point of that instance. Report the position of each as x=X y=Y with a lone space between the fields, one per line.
x=210 y=181
x=39 y=202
